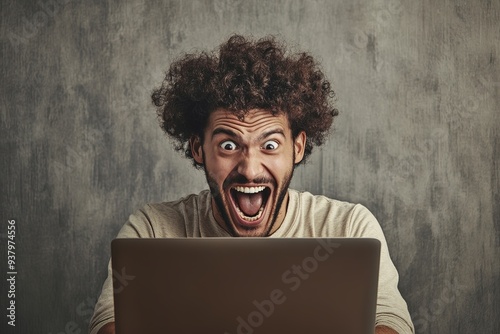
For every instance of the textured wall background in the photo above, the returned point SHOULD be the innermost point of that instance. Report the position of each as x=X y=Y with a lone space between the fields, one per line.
x=418 y=140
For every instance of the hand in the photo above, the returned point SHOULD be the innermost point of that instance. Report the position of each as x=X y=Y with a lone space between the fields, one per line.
x=384 y=330
x=108 y=328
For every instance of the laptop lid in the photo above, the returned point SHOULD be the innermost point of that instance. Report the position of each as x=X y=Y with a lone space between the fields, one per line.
x=245 y=285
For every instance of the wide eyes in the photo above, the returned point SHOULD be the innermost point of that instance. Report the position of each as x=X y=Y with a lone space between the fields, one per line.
x=228 y=145
x=271 y=145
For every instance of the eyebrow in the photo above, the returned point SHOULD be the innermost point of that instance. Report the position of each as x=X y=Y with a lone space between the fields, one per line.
x=270 y=133
x=224 y=131
x=234 y=135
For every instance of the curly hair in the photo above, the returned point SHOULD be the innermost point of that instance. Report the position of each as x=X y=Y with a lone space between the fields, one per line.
x=245 y=75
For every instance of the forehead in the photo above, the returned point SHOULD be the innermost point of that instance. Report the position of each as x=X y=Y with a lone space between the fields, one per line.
x=257 y=120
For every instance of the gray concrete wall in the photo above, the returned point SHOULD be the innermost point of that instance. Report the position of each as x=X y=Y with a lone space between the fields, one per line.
x=417 y=141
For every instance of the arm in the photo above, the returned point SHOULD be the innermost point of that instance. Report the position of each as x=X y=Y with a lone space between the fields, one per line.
x=136 y=227
x=392 y=312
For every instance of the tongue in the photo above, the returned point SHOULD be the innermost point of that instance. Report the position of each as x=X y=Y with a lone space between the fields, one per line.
x=249 y=203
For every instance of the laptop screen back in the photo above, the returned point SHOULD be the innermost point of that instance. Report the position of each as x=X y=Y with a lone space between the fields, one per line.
x=245 y=285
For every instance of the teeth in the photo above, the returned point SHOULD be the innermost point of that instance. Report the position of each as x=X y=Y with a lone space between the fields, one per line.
x=250 y=219
x=249 y=190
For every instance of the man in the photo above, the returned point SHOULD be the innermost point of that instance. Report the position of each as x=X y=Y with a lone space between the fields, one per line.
x=248 y=115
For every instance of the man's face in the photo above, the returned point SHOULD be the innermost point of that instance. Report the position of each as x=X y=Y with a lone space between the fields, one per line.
x=249 y=165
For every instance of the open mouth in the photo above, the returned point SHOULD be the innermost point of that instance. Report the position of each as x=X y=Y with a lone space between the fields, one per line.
x=250 y=203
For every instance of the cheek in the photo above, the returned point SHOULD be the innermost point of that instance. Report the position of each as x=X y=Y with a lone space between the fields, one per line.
x=279 y=167
x=219 y=168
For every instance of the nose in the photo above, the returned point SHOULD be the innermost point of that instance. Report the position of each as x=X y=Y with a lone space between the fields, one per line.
x=250 y=165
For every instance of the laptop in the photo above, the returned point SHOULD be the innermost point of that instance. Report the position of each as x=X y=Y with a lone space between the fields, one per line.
x=245 y=285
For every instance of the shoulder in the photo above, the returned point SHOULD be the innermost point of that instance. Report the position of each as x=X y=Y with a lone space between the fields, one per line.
x=169 y=219
x=332 y=216
x=177 y=207
x=321 y=205
x=307 y=198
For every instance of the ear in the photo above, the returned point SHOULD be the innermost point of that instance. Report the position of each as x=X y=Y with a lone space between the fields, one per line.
x=299 y=146
x=196 y=149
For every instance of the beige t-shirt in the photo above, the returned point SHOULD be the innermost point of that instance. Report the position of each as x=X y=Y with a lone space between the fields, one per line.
x=307 y=216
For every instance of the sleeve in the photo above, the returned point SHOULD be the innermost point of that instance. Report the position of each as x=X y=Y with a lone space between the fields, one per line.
x=392 y=310
x=138 y=226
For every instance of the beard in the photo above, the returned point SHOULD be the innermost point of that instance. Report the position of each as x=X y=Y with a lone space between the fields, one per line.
x=219 y=195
